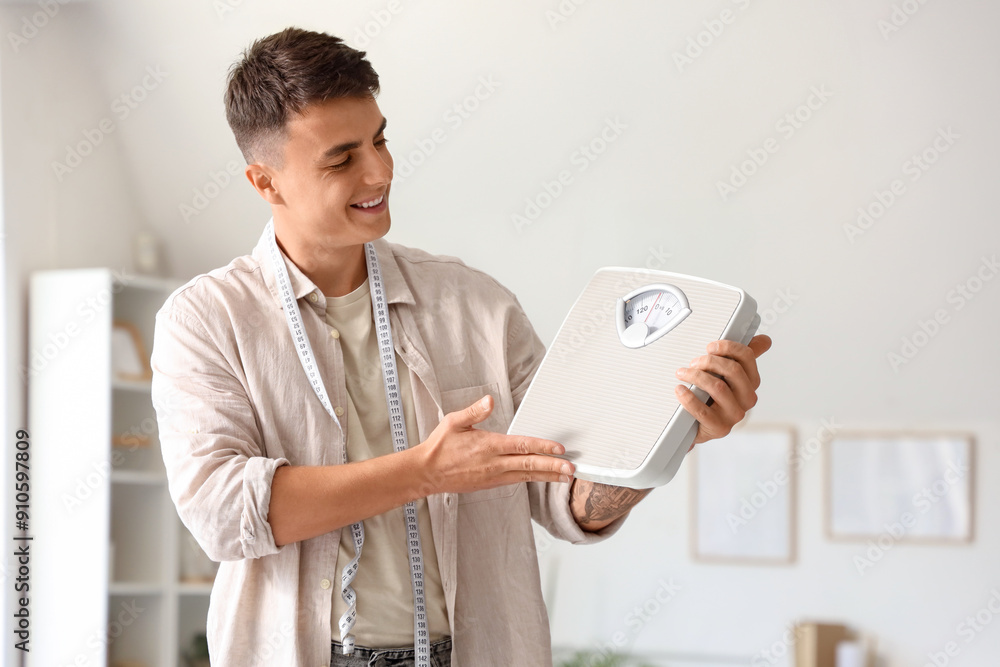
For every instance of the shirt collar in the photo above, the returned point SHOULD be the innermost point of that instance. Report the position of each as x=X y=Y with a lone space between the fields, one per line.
x=396 y=288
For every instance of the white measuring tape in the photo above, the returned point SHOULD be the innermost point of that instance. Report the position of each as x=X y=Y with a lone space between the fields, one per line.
x=380 y=314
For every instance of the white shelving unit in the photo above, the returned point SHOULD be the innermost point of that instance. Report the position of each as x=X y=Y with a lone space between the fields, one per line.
x=93 y=603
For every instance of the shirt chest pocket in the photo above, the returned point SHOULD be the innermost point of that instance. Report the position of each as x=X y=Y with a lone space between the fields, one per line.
x=454 y=400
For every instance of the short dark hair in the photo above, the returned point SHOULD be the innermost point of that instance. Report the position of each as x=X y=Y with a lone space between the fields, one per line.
x=280 y=75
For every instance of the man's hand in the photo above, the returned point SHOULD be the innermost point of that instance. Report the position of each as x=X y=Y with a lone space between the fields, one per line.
x=307 y=501
x=459 y=458
x=734 y=391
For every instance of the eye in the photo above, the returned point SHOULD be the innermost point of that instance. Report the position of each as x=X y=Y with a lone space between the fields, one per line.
x=341 y=165
x=381 y=142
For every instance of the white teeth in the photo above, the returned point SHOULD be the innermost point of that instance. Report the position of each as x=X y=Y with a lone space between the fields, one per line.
x=374 y=202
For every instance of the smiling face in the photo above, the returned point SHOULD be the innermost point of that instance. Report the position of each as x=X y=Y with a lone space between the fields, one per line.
x=332 y=190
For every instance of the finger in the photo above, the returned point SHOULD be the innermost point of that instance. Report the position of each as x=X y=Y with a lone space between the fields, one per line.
x=726 y=404
x=694 y=405
x=473 y=414
x=526 y=445
x=732 y=372
x=535 y=468
x=760 y=344
x=710 y=419
x=742 y=354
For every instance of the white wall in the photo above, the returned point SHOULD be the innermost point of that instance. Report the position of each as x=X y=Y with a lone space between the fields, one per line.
x=52 y=92
x=653 y=192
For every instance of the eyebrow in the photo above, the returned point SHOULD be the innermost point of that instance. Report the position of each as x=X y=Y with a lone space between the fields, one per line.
x=343 y=148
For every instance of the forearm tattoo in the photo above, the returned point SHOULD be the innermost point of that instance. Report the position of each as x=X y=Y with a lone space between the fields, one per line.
x=593 y=502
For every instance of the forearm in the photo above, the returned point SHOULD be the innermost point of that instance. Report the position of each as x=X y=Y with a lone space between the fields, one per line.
x=595 y=505
x=307 y=501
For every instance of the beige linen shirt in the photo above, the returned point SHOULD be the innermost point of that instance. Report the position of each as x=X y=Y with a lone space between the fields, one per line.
x=233 y=403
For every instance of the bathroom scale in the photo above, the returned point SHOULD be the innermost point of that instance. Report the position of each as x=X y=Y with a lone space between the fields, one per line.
x=605 y=388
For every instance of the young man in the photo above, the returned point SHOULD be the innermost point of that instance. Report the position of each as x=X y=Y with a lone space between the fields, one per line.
x=283 y=424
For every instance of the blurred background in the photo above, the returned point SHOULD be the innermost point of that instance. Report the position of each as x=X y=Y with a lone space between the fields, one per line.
x=833 y=159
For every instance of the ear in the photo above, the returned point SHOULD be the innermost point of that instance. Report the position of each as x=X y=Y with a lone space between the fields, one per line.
x=261 y=178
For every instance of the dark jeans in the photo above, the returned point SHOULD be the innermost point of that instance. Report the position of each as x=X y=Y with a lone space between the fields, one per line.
x=389 y=657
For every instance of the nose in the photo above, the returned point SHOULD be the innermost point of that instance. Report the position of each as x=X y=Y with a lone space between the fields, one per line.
x=378 y=169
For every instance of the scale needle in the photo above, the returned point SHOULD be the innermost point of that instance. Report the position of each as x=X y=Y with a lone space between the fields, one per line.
x=654 y=306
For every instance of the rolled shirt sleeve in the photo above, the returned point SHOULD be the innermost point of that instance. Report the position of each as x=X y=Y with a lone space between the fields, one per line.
x=549 y=501
x=218 y=474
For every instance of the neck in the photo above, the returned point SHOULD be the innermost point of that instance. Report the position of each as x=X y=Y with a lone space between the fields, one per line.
x=335 y=271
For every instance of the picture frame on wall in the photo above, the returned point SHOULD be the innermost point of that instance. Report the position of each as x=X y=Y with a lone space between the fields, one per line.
x=743 y=497
x=915 y=486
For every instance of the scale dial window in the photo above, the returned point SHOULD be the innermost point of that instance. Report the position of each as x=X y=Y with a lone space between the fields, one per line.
x=648 y=313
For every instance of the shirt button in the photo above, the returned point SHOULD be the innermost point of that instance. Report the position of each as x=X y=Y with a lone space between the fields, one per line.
x=313 y=297
x=447 y=500
x=334 y=333
x=339 y=411
x=324 y=584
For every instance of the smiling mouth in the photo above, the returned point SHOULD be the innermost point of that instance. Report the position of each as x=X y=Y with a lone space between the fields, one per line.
x=374 y=203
